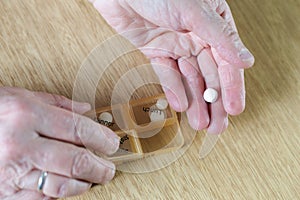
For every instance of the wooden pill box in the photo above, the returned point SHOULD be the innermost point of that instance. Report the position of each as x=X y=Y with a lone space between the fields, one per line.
x=139 y=136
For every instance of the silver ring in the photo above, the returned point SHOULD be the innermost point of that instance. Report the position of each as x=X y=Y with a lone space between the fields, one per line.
x=41 y=181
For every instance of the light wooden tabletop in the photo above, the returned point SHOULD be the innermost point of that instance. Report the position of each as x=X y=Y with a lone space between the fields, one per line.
x=43 y=44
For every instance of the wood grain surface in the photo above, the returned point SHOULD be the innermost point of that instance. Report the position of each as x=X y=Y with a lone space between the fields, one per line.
x=43 y=44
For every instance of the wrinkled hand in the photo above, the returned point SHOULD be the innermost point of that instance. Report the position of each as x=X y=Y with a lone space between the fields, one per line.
x=192 y=45
x=38 y=132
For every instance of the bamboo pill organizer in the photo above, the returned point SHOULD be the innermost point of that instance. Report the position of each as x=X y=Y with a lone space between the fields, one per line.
x=140 y=135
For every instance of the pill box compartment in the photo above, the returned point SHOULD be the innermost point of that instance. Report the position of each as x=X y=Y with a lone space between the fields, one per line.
x=140 y=111
x=166 y=138
x=130 y=147
x=139 y=136
x=118 y=123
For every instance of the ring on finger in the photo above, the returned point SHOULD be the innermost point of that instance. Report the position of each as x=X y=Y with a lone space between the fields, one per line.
x=42 y=180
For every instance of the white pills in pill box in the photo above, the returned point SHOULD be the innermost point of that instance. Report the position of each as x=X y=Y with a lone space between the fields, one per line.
x=157 y=111
x=106 y=117
x=210 y=95
x=162 y=104
x=157 y=115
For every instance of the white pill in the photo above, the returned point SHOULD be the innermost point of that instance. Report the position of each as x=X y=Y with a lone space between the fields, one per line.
x=210 y=95
x=106 y=117
x=157 y=115
x=162 y=104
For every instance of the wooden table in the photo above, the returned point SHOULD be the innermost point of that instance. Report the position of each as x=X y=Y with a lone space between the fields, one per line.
x=43 y=44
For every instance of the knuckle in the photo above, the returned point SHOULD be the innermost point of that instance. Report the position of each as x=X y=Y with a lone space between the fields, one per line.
x=17 y=117
x=194 y=81
x=190 y=72
x=8 y=149
x=81 y=165
x=79 y=130
x=15 y=107
x=76 y=126
x=229 y=32
x=11 y=145
x=11 y=176
x=59 y=100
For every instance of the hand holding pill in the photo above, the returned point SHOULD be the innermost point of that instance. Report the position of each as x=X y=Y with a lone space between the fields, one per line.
x=193 y=45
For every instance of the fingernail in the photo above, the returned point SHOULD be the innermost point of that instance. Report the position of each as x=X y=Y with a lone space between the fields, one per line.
x=175 y=102
x=81 y=107
x=82 y=186
x=85 y=106
x=116 y=143
x=246 y=57
x=110 y=175
x=112 y=140
x=62 y=191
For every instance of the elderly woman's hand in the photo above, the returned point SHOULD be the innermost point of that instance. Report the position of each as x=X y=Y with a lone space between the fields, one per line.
x=193 y=45
x=38 y=132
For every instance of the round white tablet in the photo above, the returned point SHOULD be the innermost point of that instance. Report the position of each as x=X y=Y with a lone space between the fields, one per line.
x=162 y=104
x=106 y=117
x=210 y=95
x=157 y=115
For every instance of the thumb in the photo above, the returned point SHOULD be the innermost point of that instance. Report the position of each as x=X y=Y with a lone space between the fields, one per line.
x=220 y=35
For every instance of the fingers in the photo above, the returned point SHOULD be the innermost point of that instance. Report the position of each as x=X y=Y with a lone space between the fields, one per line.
x=70 y=161
x=55 y=186
x=63 y=125
x=220 y=35
x=52 y=99
x=62 y=102
x=170 y=79
x=233 y=89
x=218 y=116
x=233 y=86
x=226 y=14
x=197 y=111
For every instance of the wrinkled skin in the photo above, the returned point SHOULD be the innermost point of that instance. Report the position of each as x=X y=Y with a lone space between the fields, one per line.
x=192 y=45
x=39 y=132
